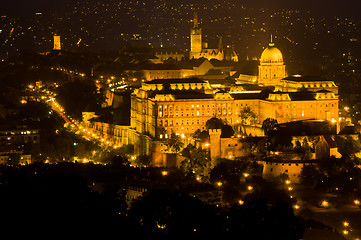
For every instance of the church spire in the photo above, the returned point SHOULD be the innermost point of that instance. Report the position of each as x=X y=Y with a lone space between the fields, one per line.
x=195 y=20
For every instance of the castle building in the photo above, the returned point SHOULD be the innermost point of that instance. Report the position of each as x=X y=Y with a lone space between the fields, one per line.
x=183 y=105
x=200 y=49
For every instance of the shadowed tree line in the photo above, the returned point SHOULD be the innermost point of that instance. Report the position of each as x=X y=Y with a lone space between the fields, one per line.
x=61 y=198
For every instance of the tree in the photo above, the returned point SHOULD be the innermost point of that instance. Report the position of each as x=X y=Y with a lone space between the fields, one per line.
x=198 y=161
x=269 y=126
x=214 y=123
x=174 y=214
x=203 y=136
x=247 y=116
x=347 y=146
x=174 y=143
x=85 y=94
x=265 y=215
x=143 y=160
x=227 y=131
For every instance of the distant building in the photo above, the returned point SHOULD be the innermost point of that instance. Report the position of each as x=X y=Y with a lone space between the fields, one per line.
x=57 y=43
x=164 y=54
x=13 y=142
x=205 y=193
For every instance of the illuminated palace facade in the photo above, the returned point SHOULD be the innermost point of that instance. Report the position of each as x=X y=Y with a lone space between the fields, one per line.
x=183 y=105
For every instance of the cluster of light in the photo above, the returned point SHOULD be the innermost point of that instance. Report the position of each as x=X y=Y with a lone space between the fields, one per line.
x=325 y=203
x=296 y=206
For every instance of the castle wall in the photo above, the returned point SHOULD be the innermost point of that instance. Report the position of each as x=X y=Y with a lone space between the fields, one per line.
x=271 y=170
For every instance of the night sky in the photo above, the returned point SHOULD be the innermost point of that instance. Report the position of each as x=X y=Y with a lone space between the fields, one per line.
x=350 y=8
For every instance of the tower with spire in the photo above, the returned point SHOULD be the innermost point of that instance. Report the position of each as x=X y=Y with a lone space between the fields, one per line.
x=196 y=38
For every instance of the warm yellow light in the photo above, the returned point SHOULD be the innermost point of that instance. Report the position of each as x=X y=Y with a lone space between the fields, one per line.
x=345 y=232
x=356 y=202
x=290 y=188
x=249 y=187
x=296 y=206
x=325 y=203
x=288 y=182
x=241 y=202
x=346 y=224
x=164 y=173
x=219 y=184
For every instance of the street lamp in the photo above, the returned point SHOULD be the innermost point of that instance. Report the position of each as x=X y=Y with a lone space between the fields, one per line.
x=325 y=203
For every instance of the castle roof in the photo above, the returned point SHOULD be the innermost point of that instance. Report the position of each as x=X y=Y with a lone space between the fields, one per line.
x=176 y=80
x=301 y=78
x=271 y=55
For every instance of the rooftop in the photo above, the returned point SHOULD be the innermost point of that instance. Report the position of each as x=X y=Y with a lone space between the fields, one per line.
x=301 y=78
x=176 y=80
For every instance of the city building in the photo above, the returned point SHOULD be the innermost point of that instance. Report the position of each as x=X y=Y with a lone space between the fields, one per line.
x=13 y=143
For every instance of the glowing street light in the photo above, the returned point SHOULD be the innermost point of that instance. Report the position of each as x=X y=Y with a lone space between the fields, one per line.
x=250 y=188
x=325 y=203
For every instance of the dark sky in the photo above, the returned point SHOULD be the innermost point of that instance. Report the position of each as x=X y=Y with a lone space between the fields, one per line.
x=346 y=8
x=350 y=8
